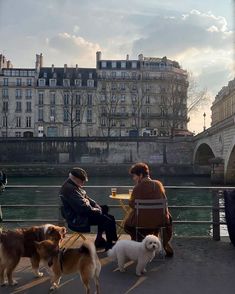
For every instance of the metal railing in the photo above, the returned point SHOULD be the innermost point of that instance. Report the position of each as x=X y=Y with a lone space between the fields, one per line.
x=214 y=209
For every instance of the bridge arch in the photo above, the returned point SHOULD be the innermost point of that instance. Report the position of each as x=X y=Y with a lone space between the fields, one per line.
x=230 y=165
x=202 y=154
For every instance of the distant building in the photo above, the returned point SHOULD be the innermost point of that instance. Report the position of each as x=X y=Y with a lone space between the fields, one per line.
x=224 y=103
x=145 y=97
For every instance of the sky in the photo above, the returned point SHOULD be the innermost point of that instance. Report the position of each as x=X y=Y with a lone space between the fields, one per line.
x=196 y=33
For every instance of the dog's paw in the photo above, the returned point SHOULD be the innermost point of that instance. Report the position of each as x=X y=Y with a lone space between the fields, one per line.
x=38 y=274
x=3 y=284
x=13 y=283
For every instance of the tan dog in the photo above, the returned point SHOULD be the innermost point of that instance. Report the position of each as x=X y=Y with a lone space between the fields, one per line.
x=83 y=260
x=20 y=243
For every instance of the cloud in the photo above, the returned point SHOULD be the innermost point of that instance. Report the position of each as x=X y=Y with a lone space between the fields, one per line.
x=76 y=48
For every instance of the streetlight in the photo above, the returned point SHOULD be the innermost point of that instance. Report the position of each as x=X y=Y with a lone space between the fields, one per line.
x=204 y=127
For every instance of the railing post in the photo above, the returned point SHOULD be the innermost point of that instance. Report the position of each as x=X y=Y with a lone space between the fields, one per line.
x=216 y=214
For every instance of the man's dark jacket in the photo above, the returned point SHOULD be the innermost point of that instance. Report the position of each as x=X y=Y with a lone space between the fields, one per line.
x=77 y=207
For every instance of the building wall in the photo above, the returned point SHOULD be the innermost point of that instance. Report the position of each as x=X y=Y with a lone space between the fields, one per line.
x=224 y=104
x=147 y=96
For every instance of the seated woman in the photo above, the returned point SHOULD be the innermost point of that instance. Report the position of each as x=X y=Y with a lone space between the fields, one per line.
x=146 y=188
x=81 y=212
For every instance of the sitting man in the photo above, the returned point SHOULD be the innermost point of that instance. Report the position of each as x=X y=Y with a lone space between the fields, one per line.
x=81 y=212
x=146 y=188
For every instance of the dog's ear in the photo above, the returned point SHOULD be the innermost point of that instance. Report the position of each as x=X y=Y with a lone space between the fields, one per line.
x=50 y=229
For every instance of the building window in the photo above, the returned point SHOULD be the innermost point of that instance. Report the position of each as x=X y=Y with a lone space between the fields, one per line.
x=5 y=106
x=52 y=98
x=134 y=75
x=52 y=82
x=52 y=114
x=162 y=123
x=28 y=121
x=40 y=98
x=147 y=110
x=123 y=74
x=123 y=110
x=4 y=122
x=77 y=99
x=103 y=121
x=5 y=93
x=89 y=115
x=18 y=82
x=66 y=82
x=28 y=93
x=40 y=114
x=123 y=98
x=77 y=118
x=66 y=114
x=18 y=122
x=147 y=99
x=147 y=123
x=123 y=64
x=18 y=106
x=28 y=107
x=78 y=83
x=134 y=64
x=113 y=74
x=4 y=134
x=133 y=98
x=103 y=64
x=103 y=74
x=90 y=83
x=29 y=82
x=18 y=93
x=114 y=64
x=66 y=98
x=113 y=123
x=18 y=134
x=5 y=82
x=90 y=75
x=41 y=82
x=89 y=100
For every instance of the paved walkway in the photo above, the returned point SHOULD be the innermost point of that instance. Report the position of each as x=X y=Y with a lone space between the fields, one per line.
x=200 y=265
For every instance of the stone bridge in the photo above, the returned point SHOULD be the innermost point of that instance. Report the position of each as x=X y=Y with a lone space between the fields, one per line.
x=216 y=147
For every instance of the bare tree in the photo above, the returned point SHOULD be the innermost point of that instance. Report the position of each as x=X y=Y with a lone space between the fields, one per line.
x=109 y=116
x=74 y=105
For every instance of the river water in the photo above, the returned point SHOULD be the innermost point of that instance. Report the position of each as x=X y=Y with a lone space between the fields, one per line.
x=39 y=195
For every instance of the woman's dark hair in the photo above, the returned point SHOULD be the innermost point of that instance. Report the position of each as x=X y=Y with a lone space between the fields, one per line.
x=139 y=168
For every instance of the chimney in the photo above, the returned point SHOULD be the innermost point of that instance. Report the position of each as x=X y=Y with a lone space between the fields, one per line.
x=127 y=57
x=41 y=60
x=98 y=56
x=52 y=68
x=65 y=68
x=76 y=67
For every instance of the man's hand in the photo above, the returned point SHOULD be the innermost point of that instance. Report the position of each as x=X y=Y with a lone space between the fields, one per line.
x=96 y=210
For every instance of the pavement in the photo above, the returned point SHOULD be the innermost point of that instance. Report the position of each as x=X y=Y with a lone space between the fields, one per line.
x=200 y=265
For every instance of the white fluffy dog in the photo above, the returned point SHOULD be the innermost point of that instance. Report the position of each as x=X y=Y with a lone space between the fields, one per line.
x=142 y=252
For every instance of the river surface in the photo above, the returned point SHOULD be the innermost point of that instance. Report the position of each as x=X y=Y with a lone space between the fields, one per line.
x=46 y=196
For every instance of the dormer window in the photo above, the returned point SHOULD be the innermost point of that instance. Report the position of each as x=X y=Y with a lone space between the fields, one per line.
x=66 y=82
x=103 y=64
x=78 y=83
x=90 y=75
x=52 y=82
x=41 y=82
x=134 y=64
x=123 y=64
x=90 y=83
x=45 y=75
x=114 y=64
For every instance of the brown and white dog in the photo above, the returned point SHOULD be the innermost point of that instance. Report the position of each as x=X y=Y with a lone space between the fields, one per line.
x=21 y=243
x=82 y=260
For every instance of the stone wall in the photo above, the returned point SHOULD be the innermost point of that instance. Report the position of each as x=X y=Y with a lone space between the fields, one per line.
x=94 y=150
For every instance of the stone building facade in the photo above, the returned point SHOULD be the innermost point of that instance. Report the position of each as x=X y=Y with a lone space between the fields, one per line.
x=145 y=97
x=223 y=106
